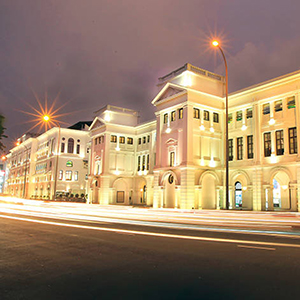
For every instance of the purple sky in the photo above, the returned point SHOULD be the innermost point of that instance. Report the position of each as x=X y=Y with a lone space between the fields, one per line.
x=102 y=52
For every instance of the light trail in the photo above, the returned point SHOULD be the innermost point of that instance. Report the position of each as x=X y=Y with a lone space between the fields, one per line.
x=162 y=235
x=81 y=218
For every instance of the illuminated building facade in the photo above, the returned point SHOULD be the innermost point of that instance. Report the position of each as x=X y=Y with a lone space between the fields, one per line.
x=177 y=161
x=35 y=159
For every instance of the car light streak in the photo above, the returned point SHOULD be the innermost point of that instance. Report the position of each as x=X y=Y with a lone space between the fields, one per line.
x=72 y=217
x=259 y=248
x=153 y=234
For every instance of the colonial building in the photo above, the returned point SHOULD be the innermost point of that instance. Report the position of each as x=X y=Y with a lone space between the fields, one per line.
x=177 y=160
x=38 y=166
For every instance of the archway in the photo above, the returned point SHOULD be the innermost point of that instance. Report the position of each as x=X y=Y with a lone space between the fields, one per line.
x=281 y=193
x=169 y=191
x=238 y=194
x=209 y=191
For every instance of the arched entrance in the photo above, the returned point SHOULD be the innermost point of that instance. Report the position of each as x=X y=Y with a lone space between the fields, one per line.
x=169 y=191
x=281 y=192
x=209 y=192
x=238 y=195
x=121 y=193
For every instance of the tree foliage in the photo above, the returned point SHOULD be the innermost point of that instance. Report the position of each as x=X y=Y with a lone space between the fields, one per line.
x=2 y=135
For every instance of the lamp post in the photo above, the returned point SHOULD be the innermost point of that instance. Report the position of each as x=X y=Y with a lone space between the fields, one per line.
x=216 y=44
x=46 y=118
x=25 y=171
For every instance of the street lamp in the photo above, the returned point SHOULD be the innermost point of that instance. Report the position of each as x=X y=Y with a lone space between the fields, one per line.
x=216 y=44
x=46 y=118
x=25 y=171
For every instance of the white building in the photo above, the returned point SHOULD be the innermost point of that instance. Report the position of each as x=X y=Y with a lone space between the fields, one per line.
x=48 y=166
x=177 y=160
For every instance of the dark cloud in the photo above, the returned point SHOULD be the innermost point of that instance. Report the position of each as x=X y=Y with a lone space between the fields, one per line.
x=100 y=52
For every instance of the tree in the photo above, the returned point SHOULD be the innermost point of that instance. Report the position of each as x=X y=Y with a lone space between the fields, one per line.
x=2 y=135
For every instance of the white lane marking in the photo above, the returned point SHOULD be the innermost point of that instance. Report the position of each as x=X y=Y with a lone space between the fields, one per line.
x=253 y=247
x=165 y=235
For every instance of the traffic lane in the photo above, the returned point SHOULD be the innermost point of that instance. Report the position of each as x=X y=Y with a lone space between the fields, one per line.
x=181 y=232
x=50 y=262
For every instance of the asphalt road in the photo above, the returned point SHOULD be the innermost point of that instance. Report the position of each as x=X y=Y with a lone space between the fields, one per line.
x=46 y=261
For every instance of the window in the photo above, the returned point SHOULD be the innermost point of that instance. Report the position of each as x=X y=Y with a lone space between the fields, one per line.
x=250 y=146
x=60 y=176
x=266 y=108
x=130 y=141
x=230 y=149
x=239 y=115
x=122 y=139
x=139 y=163
x=144 y=140
x=279 y=142
x=206 y=115
x=216 y=117
x=239 y=143
x=96 y=140
x=70 y=145
x=113 y=138
x=148 y=139
x=173 y=115
x=293 y=140
x=165 y=118
x=148 y=162
x=249 y=113
x=180 y=113
x=172 y=159
x=68 y=175
x=196 y=113
x=278 y=105
x=144 y=160
x=291 y=102
x=78 y=149
x=62 y=148
x=76 y=175
x=140 y=141
x=229 y=118
x=267 y=144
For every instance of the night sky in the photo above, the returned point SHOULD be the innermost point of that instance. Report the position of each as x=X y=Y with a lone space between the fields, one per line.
x=98 y=52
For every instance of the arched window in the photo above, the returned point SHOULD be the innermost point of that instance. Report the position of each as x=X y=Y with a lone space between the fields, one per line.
x=70 y=145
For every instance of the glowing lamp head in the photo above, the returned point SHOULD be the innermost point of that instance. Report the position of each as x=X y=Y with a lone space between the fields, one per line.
x=215 y=43
x=46 y=118
x=18 y=143
x=3 y=157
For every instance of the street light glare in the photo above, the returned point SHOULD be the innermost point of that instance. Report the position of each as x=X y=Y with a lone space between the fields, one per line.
x=46 y=118
x=215 y=43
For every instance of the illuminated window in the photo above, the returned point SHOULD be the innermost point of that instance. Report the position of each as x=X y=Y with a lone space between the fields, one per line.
x=239 y=143
x=279 y=142
x=130 y=141
x=139 y=163
x=144 y=140
x=173 y=116
x=216 y=117
x=267 y=144
x=69 y=163
x=239 y=115
x=70 y=145
x=165 y=118
x=122 y=139
x=266 y=108
x=172 y=159
x=230 y=149
x=96 y=140
x=250 y=146
x=278 y=105
x=180 y=113
x=293 y=140
x=144 y=161
x=206 y=115
x=196 y=113
x=76 y=175
x=68 y=175
x=249 y=113
x=62 y=148
x=140 y=141
x=148 y=138
x=60 y=176
x=113 y=139
x=291 y=102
